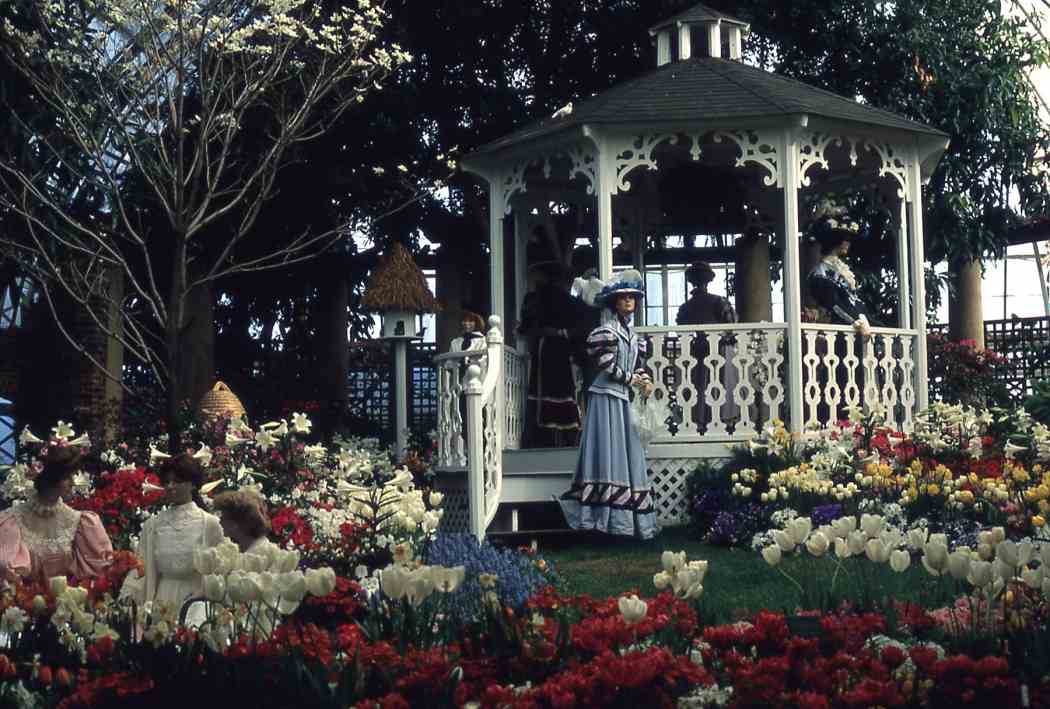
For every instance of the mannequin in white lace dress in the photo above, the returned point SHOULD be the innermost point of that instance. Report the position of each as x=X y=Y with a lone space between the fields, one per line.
x=168 y=540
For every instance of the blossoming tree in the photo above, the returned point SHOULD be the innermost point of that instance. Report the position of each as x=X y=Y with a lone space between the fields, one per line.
x=155 y=96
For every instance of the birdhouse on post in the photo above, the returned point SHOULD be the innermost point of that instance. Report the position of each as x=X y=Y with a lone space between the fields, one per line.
x=398 y=291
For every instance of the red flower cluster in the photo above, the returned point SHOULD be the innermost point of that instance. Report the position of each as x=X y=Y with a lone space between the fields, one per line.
x=118 y=499
x=289 y=525
x=106 y=689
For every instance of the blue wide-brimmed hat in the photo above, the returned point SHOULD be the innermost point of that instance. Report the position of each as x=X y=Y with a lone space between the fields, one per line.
x=627 y=283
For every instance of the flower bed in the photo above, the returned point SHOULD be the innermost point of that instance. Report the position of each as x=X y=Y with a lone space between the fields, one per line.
x=365 y=604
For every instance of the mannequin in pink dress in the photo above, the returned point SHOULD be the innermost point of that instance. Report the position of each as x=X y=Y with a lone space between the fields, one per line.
x=43 y=536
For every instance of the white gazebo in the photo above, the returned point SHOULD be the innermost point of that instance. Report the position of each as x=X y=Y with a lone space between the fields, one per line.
x=703 y=113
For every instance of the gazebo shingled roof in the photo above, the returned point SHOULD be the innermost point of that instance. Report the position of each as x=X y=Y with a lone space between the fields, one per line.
x=707 y=89
x=397 y=283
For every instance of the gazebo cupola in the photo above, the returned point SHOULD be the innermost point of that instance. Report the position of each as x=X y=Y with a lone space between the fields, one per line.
x=699 y=31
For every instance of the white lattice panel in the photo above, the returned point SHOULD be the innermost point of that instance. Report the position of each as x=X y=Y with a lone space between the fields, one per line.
x=667 y=478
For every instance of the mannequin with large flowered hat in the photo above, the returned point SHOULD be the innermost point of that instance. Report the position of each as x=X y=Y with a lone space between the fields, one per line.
x=610 y=489
x=832 y=284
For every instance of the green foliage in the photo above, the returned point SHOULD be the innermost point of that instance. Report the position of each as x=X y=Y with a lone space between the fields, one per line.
x=1038 y=404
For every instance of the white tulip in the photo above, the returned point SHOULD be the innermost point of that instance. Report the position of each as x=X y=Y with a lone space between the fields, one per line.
x=998 y=534
x=939 y=538
x=285 y=561
x=1033 y=578
x=817 y=544
x=291 y=586
x=238 y=589
x=855 y=541
x=935 y=558
x=982 y=573
x=772 y=554
x=841 y=548
x=784 y=540
x=1025 y=552
x=436 y=498
x=699 y=566
x=661 y=580
x=917 y=538
x=206 y=561
x=633 y=609
x=986 y=552
x=214 y=588
x=900 y=560
x=254 y=563
x=420 y=585
x=448 y=579
x=959 y=564
x=1007 y=552
x=320 y=582
x=877 y=551
x=394 y=581
x=687 y=584
x=871 y=524
x=798 y=529
x=672 y=561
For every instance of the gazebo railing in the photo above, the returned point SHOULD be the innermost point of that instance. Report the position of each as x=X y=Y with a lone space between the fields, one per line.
x=841 y=370
x=470 y=425
x=718 y=381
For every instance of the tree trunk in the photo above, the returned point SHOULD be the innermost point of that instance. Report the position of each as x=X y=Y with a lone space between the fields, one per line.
x=965 y=305
x=334 y=365
x=173 y=332
x=197 y=346
x=753 y=302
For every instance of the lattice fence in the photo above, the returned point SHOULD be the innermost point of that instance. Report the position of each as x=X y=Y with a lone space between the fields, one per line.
x=1024 y=342
x=667 y=478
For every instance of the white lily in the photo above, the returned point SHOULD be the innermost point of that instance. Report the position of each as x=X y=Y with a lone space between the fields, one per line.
x=27 y=437
x=155 y=455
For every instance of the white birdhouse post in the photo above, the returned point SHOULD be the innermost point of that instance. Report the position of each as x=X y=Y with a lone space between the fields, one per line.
x=398 y=291
x=399 y=328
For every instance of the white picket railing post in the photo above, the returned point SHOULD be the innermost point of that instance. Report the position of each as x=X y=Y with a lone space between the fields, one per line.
x=473 y=390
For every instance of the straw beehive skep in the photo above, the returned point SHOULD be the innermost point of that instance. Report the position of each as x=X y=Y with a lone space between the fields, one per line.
x=220 y=400
x=397 y=283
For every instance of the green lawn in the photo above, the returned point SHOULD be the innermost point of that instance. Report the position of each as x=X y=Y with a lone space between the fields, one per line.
x=738 y=581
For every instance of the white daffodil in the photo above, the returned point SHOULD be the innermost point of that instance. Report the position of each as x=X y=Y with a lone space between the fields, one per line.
x=633 y=609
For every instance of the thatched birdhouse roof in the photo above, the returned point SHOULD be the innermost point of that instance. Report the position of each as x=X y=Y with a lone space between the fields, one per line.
x=397 y=283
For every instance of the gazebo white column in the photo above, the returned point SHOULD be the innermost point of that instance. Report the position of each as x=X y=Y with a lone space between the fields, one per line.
x=606 y=190
x=904 y=274
x=792 y=277
x=918 y=279
x=497 y=210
